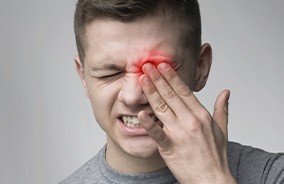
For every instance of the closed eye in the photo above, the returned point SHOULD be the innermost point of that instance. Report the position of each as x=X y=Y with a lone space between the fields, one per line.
x=111 y=76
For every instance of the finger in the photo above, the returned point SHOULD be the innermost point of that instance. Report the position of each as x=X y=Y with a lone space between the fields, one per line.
x=159 y=106
x=155 y=131
x=165 y=90
x=220 y=114
x=181 y=89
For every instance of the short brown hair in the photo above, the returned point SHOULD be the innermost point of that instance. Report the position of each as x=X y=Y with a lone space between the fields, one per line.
x=186 y=11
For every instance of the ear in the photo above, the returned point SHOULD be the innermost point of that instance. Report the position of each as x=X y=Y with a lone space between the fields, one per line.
x=203 y=66
x=80 y=71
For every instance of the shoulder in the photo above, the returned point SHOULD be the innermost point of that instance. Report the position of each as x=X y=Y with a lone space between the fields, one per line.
x=253 y=165
x=86 y=173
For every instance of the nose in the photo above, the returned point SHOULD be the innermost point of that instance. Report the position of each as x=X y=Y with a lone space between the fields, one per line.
x=131 y=93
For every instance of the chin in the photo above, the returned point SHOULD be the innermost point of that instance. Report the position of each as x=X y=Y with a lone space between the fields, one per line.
x=141 y=148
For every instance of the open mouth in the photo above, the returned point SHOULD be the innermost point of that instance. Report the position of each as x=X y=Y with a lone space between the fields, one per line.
x=133 y=121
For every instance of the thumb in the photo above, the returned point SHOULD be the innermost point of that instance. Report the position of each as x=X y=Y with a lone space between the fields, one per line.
x=220 y=114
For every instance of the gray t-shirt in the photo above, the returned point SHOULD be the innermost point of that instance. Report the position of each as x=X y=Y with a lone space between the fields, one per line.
x=248 y=165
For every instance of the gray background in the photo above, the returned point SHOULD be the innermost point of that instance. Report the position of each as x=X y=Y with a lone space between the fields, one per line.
x=47 y=128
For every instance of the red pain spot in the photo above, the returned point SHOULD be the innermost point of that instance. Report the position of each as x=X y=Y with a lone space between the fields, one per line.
x=155 y=61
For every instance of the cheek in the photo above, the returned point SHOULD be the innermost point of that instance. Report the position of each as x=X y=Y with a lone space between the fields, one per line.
x=103 y=97
x=103 y=102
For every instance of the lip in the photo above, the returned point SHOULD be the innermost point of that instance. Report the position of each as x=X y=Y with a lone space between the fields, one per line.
x=119 y=115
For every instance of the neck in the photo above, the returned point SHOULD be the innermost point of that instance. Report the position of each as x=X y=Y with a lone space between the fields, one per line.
x=126 y=163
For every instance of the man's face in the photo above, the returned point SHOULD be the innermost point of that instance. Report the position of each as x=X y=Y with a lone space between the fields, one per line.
x=112 y=67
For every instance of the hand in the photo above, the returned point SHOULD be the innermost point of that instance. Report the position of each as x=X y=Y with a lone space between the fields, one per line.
x=192 y=142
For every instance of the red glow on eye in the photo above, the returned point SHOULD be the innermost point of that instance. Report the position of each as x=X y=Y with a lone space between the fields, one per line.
x=155 y=61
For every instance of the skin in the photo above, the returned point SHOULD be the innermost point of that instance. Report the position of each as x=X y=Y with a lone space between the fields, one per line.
x=190 y=143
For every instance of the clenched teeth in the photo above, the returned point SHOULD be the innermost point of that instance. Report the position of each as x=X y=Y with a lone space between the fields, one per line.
x=132 y=121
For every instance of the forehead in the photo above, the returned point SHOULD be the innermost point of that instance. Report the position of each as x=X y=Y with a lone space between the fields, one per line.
x=109 y=40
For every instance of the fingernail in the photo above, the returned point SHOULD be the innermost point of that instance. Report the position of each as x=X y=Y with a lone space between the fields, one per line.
x=227 y=100
x=147 y=68
x=144 y=117
x=164 y=67
x=228 y=95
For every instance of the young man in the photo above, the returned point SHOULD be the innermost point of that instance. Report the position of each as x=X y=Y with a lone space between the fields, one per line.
x=139 y=62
